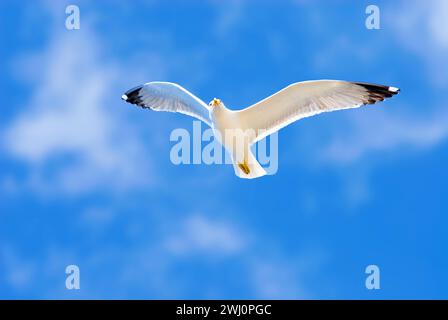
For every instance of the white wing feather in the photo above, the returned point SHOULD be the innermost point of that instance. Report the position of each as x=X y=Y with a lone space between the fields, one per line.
x=170 y=97
x=305 y=99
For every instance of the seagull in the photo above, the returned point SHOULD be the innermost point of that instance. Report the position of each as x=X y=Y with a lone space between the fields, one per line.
x=237 y=130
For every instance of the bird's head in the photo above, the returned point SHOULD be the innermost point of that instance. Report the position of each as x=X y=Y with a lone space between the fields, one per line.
x=215 y=103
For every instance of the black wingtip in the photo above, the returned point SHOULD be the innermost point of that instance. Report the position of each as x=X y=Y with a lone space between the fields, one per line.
x=133 y=96
x=376 y=92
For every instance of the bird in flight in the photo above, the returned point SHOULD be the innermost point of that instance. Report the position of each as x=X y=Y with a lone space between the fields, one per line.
x=237 y=130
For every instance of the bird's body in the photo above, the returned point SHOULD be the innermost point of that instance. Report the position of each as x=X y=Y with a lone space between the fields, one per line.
x=233 y=134
x=237 y=130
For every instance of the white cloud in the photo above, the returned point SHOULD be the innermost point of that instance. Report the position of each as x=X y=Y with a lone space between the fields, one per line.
x=274 y=280
x=381 y=131
x=369 y=137
x=151 y=267
x=199 y=234
x=425 y=20
x=72 y=122
x=270 y=276
x=422 y=27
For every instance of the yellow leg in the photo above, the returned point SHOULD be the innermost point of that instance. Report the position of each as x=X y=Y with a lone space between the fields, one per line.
x=243 y=166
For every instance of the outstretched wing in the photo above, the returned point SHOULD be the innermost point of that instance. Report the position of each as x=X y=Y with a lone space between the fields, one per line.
x=171 y=97
x=305 y=99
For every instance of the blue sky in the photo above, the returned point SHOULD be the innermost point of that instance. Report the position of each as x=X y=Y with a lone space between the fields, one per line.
x=86 y=179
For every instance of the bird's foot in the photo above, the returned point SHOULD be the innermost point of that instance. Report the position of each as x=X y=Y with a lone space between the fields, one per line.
x=243 y=166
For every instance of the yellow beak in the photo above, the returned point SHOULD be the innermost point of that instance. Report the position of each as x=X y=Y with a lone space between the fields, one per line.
x=216 y=102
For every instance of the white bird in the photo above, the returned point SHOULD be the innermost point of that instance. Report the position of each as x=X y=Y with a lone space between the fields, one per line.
x=237 y=130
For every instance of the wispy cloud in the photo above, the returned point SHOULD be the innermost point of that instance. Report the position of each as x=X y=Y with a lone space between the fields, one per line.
x=200 y=235
x=71 y=122
x=422 y=27
x=382 y=132
x=151 y=267
x=269 y=274
x=279 y=280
